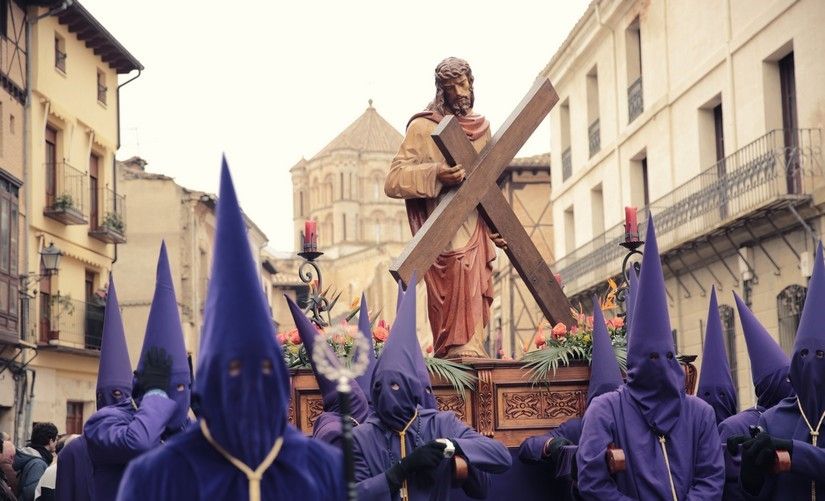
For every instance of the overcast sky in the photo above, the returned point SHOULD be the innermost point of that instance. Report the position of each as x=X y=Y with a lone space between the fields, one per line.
x=271 y=82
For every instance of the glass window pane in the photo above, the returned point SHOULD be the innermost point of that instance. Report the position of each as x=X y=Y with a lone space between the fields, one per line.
x=5 y=234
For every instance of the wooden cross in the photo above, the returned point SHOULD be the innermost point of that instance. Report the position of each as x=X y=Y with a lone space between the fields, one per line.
x=480 y=190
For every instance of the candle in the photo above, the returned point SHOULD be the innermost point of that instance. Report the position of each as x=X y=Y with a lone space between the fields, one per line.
x=631 y=227
x=310 y=236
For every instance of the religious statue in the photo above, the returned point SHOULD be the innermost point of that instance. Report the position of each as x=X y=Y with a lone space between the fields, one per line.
x=459 y=283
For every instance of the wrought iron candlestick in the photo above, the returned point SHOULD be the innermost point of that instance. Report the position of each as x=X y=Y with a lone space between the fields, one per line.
x=309 y=272
x=632 y=246
x=327 y=363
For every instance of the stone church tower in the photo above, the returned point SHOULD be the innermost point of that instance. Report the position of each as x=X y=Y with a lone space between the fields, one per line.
x=360 y=229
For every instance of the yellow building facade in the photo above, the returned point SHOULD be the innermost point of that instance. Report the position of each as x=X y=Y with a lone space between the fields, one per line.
x=709 y=115
x=71 y=203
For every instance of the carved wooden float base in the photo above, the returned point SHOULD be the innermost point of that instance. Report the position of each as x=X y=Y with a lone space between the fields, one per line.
x=504 y=404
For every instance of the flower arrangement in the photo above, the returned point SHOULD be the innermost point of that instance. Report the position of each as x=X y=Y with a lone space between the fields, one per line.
x=564 y=344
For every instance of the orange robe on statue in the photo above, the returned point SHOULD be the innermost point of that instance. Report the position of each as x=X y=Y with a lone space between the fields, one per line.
x=460 y=282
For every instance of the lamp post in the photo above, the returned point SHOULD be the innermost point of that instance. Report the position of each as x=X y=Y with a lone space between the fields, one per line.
x=632 y=244
x=310 y=274
x=49 y=263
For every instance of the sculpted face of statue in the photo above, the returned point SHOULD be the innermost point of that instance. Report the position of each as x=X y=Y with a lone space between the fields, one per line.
x=454 y=88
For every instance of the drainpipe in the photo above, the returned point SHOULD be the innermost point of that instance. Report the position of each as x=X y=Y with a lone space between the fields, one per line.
x=114 y=158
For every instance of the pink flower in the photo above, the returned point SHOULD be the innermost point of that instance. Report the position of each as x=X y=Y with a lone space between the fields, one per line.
x=540 y=340
x=617 y=322
x=574 y=330
x=294 y=337
x=380 y=333
x=559 y=330
x=429 y=349
x=281 y=338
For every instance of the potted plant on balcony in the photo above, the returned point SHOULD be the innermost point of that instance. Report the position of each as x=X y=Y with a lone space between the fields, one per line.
x=63 y=202
x=113 y=221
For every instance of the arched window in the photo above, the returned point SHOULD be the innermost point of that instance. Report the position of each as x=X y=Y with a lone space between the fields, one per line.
x=729 y=334
x=789 y=304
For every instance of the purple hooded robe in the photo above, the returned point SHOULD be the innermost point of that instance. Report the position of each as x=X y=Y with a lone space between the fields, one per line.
x=117 y=434
x=715 y=383
x=769 y=371
x=605 y=376
x=241 y=396
x=377 y=444
x=671 y=445
x=786 y=420
x=327 y=426
x=75 y=480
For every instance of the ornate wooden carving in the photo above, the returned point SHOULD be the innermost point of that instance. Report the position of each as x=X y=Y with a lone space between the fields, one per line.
x=455 y=403
x=484 y=412
x=563 y=404
x=522 y=405
x=314 y=408
x=291 y=411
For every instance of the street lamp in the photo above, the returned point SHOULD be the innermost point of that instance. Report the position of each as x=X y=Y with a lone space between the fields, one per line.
x=50 y=259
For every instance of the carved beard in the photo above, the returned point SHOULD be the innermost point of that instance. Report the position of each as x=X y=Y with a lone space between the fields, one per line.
x=461 y=106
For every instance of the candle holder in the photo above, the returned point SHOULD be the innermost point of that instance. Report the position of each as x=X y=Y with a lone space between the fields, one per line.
x=309 y=272
x=632 y=247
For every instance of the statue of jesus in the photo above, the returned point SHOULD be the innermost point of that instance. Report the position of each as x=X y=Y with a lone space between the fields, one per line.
x=459 y=283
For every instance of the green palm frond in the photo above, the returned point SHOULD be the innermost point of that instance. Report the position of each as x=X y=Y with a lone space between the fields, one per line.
x=541 y=362
x=458 y=375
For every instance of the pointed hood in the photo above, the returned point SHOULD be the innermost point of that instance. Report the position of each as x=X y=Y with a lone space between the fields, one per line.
x=242 y=389
x=715 y=383
x=630 y=299
x=769 y=364
x=807 y=366
x=358 y=401
x=365 y=327
x=114 y=375
x=397 y=387
x=655 y=380
x=163 y=330
x=605 y=375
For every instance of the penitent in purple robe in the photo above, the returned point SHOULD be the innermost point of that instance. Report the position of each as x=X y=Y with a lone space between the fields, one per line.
x=769 y=371
x=75 y=477
x=787 y=420
x=669 y=439
x=241 y=395
x=605 y=376
x=377 y=443
x=327 y=426
x=74 y=480
x=117 y=434
x=715 y=383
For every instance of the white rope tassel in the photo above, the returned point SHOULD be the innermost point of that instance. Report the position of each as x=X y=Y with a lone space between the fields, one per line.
x=255 y=476
x=667 y=463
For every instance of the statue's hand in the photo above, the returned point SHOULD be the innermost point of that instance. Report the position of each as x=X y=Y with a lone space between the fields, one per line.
x=450 y=176
x=498 y=240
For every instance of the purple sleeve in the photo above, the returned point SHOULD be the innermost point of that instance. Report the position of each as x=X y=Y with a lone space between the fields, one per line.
x=729 y=428
x=119 y=438
x=484 y=455
x=595 y=481
x=531 y=450
x=709 y=470
x=370 y=487
x=808 y=461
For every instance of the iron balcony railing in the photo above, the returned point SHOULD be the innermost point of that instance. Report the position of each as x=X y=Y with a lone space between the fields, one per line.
x=751 y=178
x=635 y=104
x=566 y=164
x=66 y=192
x=71 y=323
x=109 y=217
x=594 y=137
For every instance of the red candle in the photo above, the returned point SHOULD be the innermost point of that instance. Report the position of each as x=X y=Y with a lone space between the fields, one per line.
x=631 y=227
x=310 y=235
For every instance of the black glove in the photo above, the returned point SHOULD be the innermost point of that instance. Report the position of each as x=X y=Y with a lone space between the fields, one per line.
x=552 y=451
x=422 y=459
x=758 y=457
x=156 y=372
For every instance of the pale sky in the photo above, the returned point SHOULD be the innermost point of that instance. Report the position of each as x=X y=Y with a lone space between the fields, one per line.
x=270 y=82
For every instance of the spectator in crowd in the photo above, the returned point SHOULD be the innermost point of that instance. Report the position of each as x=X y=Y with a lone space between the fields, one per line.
x=8 y=479
x=45 y=488
x=31 y=461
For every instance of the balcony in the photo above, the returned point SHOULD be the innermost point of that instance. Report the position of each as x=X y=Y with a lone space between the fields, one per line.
x=594 y=138
x=566 y=164
x=66 y=193
x=109 y=225
x=635 y=105
x=735 y=193
x=69 y=323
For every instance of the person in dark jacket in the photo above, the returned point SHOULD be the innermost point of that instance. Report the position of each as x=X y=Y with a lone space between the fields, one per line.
x=31 y=461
